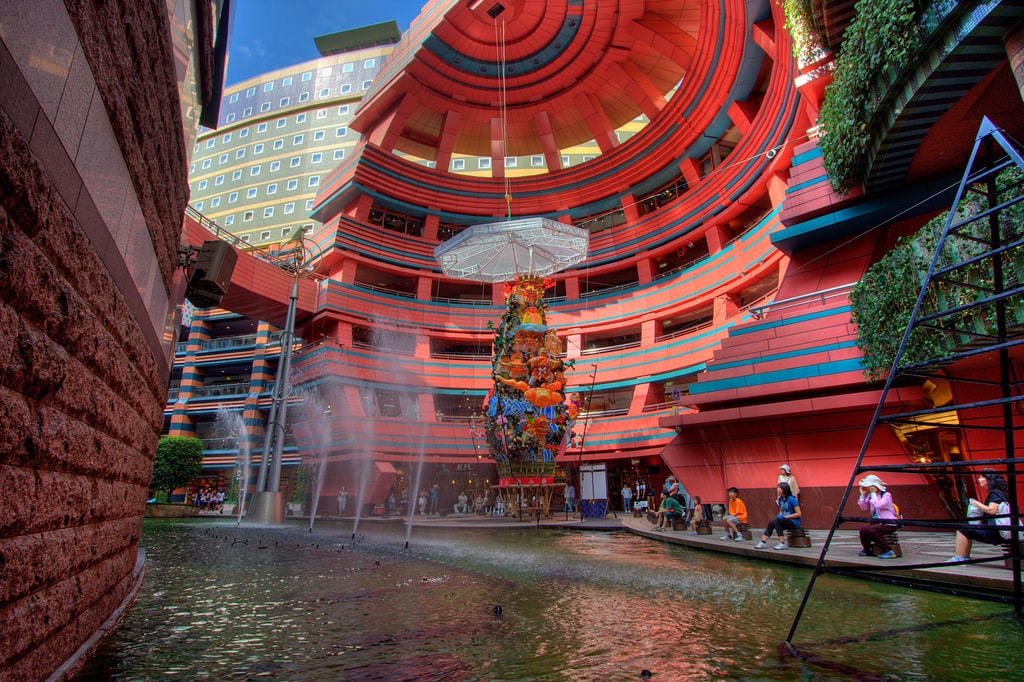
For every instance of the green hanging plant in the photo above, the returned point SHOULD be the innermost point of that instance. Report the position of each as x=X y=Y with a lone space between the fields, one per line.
x=882 y=301
x=883 y=36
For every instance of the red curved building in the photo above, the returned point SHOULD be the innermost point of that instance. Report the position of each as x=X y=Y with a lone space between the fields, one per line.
x=709 y=324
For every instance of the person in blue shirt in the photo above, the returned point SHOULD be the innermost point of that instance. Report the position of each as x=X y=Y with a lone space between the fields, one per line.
x=788 y=517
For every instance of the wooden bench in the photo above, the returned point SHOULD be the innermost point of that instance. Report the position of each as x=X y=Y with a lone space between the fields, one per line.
x=894 y=544
x=798 y=538
x=744 y=529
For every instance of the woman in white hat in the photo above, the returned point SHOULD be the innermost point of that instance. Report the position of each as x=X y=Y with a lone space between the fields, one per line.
x=787 y=477
x=874 y=498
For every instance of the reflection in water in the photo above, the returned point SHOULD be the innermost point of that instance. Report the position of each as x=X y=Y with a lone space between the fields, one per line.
x=222 y=602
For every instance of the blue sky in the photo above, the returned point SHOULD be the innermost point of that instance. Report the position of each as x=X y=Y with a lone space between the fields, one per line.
x=270 y=34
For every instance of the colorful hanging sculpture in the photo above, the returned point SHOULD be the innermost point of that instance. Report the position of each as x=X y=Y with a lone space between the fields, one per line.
x=529 y=420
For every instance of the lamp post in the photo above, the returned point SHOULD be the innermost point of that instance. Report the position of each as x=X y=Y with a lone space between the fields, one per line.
x=268 y=501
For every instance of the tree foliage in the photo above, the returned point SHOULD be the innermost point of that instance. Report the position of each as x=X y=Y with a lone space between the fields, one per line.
x=178 y=460
x=883 y=300
x=882 y=36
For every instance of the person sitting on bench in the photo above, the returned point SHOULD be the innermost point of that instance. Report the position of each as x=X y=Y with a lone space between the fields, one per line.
x=669 y=511
x=874 y=498
x=788 y=517
x=735 y=514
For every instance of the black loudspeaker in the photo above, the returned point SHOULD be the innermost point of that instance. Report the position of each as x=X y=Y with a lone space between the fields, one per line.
x=211 y=274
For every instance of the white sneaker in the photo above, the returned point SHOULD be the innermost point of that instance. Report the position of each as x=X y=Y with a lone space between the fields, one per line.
x=726 y=537
x=739 y=538
x=760 y=545
x=781 y=545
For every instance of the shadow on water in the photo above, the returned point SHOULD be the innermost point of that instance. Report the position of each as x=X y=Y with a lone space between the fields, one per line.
x=519 y=604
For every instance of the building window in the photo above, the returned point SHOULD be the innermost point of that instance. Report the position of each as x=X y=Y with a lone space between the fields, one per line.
x=346 y=88
x=258 y=149
x=230 y=118
x=226 y=138
x=247 y=217
x=314 y=180
x=265 y=235
x=199 y=206
x=303 y=96
x=295 y=161
x=206 y=163
x=339 y=154
x=202 y=184
x=265 y=106
x=307 y=76
x=346 y=68
x=261 y=128
x=537 y=161
x=369 y=63
x=233 y=197
x=278 y=143
x=289 y=208
x=244 y=132
x=215 y=202
x=301 y=118
x=240 y=154
x=250 y=193
x=267 y=213
x=316 y=158
x=343 y=109
x=285 y=231
x=233 y=98
x=287 y=81
x=247 y=112
x=209 y=143
x=245 y=237
x=565 y=161
x=309 y=204
x=268 y=87
x=272 y=188
x=223 y=158
x=483 y=163
x=250 y=92
x=219 y=180
x=318 y=135
x=229 y=220
x=341 y=132
x=293 y=183
x=367 y=84
x=236 y=175
x=254 y=170
x=322 y=113
x=281 y=122
x=458 y=164
x=308 y=227
x=285 y=101
x=324 y=92
x=510 y=162
x=274 y=166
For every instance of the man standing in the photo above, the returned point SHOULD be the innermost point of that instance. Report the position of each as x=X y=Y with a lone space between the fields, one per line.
x=627 y=498
x=435 y=493
x=570 y=498
x=342 y=501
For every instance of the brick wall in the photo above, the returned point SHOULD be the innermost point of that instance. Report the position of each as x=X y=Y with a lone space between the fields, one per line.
x=83 y=365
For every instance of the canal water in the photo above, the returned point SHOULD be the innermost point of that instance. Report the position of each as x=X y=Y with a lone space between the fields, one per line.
x=227 y=603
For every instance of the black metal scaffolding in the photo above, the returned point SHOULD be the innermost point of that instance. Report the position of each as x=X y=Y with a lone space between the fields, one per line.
x=971 y=307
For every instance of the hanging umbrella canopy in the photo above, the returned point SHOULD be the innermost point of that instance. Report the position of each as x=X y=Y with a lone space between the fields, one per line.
x=498 y=252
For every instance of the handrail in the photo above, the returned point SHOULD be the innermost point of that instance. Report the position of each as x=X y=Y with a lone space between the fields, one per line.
x=382 y=290
x=609 y=290
x=605 y=349
x=822 y=294
x=685 y=331
x=461 y=301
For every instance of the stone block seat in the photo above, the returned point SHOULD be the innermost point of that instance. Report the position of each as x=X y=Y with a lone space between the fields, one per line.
x=893 y=539
x=798 y=537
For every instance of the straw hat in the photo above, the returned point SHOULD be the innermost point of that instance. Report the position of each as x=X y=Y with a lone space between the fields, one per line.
x=872 y=480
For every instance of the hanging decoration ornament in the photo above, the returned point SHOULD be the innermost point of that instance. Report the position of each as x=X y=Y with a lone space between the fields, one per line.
x=529 y=420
